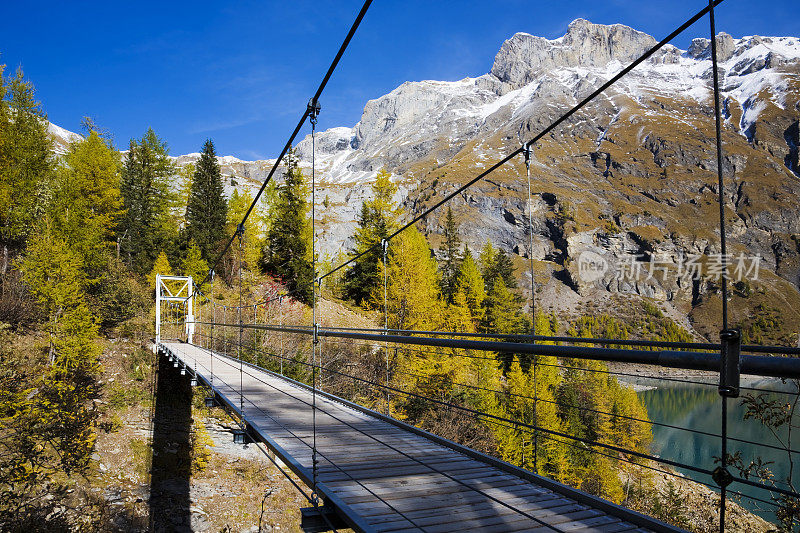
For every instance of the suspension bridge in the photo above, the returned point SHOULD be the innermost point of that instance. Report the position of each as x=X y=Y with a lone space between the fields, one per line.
x=370 y=471
x=374 y=473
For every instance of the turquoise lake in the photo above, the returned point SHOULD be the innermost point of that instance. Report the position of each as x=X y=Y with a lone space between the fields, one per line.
x=697 y=407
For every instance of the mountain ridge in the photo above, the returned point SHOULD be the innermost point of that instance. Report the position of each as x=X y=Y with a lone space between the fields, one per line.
x=633 y=173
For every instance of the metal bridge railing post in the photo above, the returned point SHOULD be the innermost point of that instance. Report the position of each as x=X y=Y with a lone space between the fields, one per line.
x=722 y=477
x=213 y=320
x=729 y=377
x=385 y=249
x=527 y=155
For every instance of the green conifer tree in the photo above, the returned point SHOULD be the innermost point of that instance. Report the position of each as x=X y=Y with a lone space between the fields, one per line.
x=378 y=218
x=497 y=265
x=503 y=315
x=193 y=264
x=451 y=257
x=207 y=209
x=288 y=250
x=146 y=226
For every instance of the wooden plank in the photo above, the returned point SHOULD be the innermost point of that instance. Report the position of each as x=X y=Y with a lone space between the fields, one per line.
x=480 y=517
x=384 y=460
x=396 y=473
x=509 y=522
x=469 y=502
x=570 y=521
x=530 y=494
x=610 y=527
x=358 y=494
x=444 y=462
x=470 y=506
x=381 y=455
x=487 y=475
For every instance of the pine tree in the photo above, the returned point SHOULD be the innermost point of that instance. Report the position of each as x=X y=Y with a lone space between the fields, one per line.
x=502 y=306
x=413 y=285
x=451 y=257
x=486 y=260
x=193 y=264
x=86 y=204
x=503 y=315
x=471 y=286
x=147 y=225
x=238 y=204
x=496 y=264
x=160 y=266
x=378 y=218
x=55 y=277
x=288 y=250
x=207 y=209
x=26 y=162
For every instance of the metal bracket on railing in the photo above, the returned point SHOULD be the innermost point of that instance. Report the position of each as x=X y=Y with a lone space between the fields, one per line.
x=729 y=371
x=722 y=476
x=526 y=151
x=316 y=333
x=313 y=110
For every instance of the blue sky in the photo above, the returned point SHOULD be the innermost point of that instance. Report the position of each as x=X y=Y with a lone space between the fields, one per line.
x=240 y=72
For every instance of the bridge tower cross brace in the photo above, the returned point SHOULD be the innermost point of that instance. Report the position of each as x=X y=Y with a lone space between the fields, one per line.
x=166 y=292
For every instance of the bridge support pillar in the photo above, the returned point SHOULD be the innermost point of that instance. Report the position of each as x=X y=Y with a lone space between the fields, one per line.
x=319 y=519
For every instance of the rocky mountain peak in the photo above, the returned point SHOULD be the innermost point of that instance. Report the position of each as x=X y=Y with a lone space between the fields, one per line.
x=701 y=47
x=523 y=58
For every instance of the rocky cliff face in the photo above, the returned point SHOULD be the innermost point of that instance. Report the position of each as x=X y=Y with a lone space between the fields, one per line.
x=526 y=58
x=633 y=174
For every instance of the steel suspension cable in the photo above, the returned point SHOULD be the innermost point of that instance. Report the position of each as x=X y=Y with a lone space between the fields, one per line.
x=313 y=112
x=593 y=370
x=241 y=325
x=385 y=249
x=288 y=145
x=527 y=153
x=532 y=427
x=612 y=415
x=522 y=424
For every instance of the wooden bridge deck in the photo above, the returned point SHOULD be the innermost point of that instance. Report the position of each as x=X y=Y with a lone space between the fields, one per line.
x=381 y=475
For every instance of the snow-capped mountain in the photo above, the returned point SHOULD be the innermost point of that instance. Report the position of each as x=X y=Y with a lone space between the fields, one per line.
x=62 y=138
x=634 y=173
x=532 y=76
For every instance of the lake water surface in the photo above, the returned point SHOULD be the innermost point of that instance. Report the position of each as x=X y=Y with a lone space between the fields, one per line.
x=698 y=407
